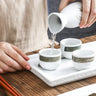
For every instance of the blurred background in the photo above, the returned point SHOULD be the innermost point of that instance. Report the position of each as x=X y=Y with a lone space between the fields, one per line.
x=74 y=32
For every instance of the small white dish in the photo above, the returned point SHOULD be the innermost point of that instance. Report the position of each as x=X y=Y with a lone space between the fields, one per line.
x=49 y=58
x=83 y=91
x=69 y=45
x=83 y=58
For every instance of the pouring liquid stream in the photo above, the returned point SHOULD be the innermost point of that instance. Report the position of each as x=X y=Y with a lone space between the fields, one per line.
x=53 y=44
x=53 y=40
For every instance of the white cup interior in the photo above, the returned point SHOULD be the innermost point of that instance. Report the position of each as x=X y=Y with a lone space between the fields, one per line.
x=54 y=23
x=71 y=42
x=50 y=52
x=83 y=53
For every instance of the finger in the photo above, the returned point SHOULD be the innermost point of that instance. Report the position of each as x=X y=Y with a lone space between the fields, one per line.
x=72 y=0
x=92 y=22
x=10 y=62
x=64 y=3
x=18 y=58
x=1 y=71
x=6 y=68
x=85 y=13
x=20 y=52
x=93 y=13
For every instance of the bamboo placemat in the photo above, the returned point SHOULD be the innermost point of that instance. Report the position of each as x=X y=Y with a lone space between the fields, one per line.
x=27 y=84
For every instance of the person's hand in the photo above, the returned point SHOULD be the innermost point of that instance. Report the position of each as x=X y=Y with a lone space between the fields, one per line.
x=88 y=11
x=88 y=14
x=12 y=58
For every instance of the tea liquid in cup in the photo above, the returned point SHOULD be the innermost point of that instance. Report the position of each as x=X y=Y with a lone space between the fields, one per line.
x=69 y=45
x=49 y=58
x=83 y=58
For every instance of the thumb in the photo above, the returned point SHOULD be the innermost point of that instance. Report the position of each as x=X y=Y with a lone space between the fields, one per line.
x=64 y=3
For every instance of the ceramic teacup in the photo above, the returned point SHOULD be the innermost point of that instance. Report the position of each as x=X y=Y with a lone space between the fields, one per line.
x=82 y=59
x=49 y=58
x=68 y=46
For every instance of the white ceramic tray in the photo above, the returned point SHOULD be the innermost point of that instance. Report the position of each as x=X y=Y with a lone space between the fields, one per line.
x=83 y=91
x=65 y=73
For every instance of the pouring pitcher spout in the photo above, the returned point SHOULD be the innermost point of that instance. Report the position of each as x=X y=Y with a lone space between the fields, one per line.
x=69 y=17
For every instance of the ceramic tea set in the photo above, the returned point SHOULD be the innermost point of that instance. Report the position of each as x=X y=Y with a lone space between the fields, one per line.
x=70 y=48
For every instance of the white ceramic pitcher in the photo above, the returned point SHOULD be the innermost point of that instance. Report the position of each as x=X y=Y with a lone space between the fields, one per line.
x=69 y=17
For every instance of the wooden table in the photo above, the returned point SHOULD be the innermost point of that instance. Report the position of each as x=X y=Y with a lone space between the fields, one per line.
x=27 y=84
